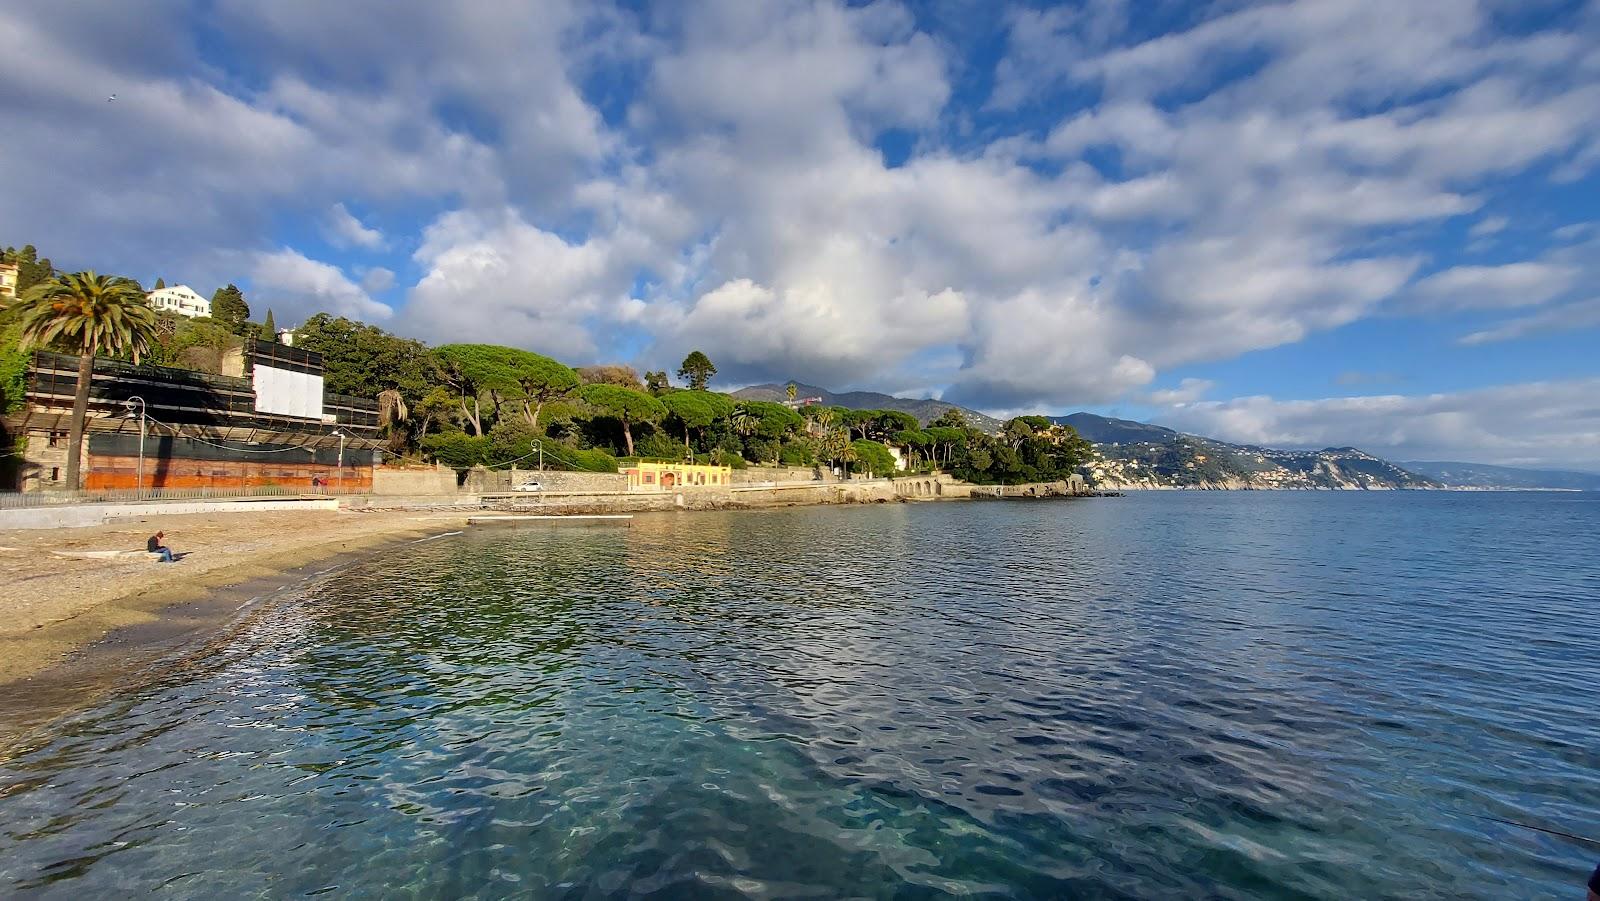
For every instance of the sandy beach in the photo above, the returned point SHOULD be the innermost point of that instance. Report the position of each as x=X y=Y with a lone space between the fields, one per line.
x=65 y=589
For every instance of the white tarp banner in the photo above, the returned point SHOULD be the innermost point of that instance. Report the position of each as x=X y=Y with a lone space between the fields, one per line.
x=284 y=393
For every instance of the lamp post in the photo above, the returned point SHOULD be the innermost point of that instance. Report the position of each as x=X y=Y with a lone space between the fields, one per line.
x=341 y=458
x=139 y=491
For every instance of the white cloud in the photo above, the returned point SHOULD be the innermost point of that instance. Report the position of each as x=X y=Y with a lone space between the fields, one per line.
x=1487 y=226
x=600 y=180
x=1494 y=287
x=1583 y=314
x=377 y=280
x=344 y=230
x=1188 y=391
x=493 y=276
x=291 y=283
x=1532 y=424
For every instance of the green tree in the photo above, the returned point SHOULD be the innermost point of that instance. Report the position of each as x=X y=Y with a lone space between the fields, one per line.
x=791 y=392
x=474 y=371
x=229 y=308
x=610 y=374
x=364 y=361
x=89 y=314
x=625 y=405
x=160 y=283
x=657 y=383
x=538 y=380
x=944 y=440
x=694 y=411
x=269 y=328
x=436 y=405
x=698 y=370
x=914 y=442
x=872 y=457
x=457 y=450
x=30 y=269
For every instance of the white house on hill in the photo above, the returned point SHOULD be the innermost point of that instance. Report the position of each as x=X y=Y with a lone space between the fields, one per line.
x=180 y=299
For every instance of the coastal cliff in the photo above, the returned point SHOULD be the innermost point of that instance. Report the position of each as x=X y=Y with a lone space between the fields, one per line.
x=1138 y=455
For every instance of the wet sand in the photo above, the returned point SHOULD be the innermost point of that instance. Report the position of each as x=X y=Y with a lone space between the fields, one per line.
x=77 y=612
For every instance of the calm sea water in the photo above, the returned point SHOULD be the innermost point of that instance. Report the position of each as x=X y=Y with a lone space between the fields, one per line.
x=1163 y=696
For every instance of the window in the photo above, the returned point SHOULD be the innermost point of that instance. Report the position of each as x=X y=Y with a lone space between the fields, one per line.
x=649 y=478
x=56 y=439
x=55 y=473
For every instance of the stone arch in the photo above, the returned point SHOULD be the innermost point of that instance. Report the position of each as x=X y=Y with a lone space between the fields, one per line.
x=668 y=479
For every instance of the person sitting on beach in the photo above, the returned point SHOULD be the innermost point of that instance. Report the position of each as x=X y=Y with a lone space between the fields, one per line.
x=154 y=546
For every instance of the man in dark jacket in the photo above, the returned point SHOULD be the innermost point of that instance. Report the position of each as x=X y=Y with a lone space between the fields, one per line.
x=154 y=546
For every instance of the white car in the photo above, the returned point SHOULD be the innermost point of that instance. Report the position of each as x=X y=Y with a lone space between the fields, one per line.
x=528 y=486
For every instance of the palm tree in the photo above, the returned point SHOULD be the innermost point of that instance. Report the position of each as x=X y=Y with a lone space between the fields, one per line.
x=744 y=422
x=91 y=314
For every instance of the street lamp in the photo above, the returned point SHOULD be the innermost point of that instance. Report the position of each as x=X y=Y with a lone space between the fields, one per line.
x=142 y=427
x=341 y=457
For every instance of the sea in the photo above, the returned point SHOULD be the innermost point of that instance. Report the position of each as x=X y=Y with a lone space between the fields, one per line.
x=1165 y=695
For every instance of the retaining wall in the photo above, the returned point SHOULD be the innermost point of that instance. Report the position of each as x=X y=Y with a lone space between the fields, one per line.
x=401 y=482
x=753 y=474
x=79 y=515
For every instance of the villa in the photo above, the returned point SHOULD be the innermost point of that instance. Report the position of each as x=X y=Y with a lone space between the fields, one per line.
x=646 y=476
x=180 y=299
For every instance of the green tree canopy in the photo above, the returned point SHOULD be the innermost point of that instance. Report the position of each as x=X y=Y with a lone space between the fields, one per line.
x=697 y=369
x=364 y=360
x=269 y=328
x=538 y=380
x=770 y=419
x=656 y=382
x=872 y=457
x=693 y=411
x=228 y=307
x=474 y=371
x=625 y=405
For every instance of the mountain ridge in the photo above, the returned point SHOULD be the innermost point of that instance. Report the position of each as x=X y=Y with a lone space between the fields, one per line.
x=925 y=409
x=1134 y=454
x=1455 y=474
x=1142 y=455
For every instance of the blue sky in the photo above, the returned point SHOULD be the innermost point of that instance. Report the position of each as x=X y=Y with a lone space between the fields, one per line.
x=1301 y=223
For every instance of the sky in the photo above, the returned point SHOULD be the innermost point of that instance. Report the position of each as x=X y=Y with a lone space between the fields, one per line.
x=1304 y=223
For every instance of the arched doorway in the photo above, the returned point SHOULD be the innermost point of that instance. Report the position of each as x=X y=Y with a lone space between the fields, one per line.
x=668 y=479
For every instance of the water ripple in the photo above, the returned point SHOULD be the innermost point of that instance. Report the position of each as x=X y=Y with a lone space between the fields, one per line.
x=1247 y=696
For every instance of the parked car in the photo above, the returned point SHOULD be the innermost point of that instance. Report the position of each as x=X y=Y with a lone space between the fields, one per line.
x=528 y=486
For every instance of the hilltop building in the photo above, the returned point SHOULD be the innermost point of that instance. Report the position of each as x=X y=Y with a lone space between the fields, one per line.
x=180 y=299
x=266 y=423
x=8 y=279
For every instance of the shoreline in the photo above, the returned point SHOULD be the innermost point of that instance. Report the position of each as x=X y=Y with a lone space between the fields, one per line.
x=75 y=628
x=85 y=615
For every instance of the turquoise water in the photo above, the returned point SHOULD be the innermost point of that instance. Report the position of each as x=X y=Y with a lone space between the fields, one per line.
x=1169 y=695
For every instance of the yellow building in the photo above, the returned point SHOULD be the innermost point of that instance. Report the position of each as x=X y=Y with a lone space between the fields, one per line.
x=644 y=476
x=8 y=279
